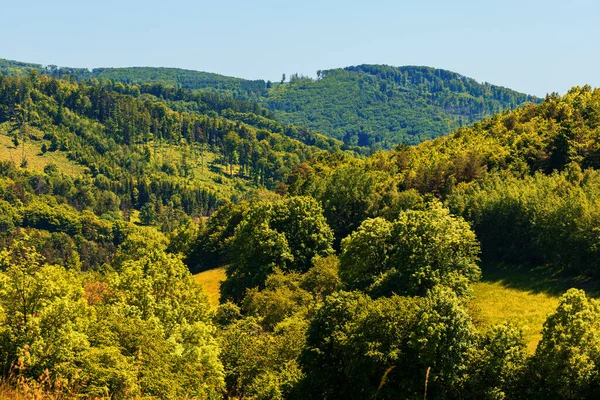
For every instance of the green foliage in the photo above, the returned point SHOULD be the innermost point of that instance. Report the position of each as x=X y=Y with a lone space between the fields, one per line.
x=365 y=254
x=52 y=217
x=45 y=311
x=352 y=190
x=498 y=366
x=521 y=141
x=287 y=233
x=536 y=219
x=494 y=174
x=566 y=362
x=180 y=78
x=182 y=240
x=365 y=105
x=260 y=364
x=322 y=279
x=379 y=105
x=359 y=348
x=136 y=242
x=211 y=248
x=96 y=305
x=142 y=332
x=281 y=298
x=159 y=286
x=175 y=160
x=256 y=251
x=418 y=251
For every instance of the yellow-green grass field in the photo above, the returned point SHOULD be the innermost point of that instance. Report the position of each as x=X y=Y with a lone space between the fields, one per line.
x=36 y=161
x=493 y=303
x=210 y=281
x=521 y=295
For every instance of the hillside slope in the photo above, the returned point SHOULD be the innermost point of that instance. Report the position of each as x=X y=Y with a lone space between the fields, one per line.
x=368 y=105
x=132 y=148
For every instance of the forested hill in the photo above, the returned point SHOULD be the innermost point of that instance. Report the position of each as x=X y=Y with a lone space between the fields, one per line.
x=367 y=105
x=372 y=104
x=527 y=181
x=176 y=77
x=118 y=149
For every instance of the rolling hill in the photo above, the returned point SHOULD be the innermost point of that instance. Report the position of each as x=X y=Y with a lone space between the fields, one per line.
x=376 y=106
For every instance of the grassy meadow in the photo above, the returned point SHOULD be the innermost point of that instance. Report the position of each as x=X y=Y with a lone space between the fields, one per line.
x=494 y=303
x=36 y=160
x=210 y=281
x=521 y=295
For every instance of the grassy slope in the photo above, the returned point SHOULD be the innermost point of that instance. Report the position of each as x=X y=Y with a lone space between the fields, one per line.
x=521 y=295
x=213 y=175
x=494 y=303
x=36 y=161
x=210 y=281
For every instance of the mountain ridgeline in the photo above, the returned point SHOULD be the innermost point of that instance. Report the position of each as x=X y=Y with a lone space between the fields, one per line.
x=374 y=106
x=377 y=105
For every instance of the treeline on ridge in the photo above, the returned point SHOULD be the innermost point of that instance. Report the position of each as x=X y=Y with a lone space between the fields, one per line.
x=373 y=106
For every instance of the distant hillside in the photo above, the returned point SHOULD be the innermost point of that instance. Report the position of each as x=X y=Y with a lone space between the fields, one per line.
x=175 y=151
x=371 y=104
x=367 y=105
x=179 y=78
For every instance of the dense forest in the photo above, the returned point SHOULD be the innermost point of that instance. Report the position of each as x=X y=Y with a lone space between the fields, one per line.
x=346 y=276
x=173 y=77
x=381 y=106
x=151 y=144
x=373 y=106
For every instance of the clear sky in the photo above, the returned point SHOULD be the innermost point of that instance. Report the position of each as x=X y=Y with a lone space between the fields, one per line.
x=534 y=46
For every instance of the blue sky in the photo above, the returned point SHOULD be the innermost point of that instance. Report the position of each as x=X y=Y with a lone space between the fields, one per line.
x=532 y=46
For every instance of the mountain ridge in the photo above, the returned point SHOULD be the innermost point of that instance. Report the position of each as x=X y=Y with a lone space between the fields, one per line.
x=6 y=63
x=368 y=105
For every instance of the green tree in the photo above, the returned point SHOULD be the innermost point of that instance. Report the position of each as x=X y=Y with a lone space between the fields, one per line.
x=365 y=254
x=566 y=364
x=159 y=286
x=231 y=141
x=260 y=364
x=286 y=233
x=45 y=316
x=498 y=367
x=211 y=248
x=418 y=251
x=281 y=298
x=360 y=348
x=148 y=214
x=322 y=279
